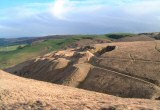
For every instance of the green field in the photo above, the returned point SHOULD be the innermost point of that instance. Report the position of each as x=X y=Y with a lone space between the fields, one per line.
x=12 y=55
x=10 y=48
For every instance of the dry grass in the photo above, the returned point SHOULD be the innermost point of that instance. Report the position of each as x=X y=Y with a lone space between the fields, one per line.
x=131 y=69
x=18 y=93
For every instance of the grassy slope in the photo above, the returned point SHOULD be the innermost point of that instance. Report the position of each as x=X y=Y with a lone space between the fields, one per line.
x=119 y=35
x=14 y=56
x=10 y=48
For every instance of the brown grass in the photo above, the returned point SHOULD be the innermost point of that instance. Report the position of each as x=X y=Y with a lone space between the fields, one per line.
x=18 y=93
x=131 y=69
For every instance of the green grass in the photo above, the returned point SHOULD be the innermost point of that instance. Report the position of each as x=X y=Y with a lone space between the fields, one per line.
x=15 y=56
x=10 y=48
x=119 y=35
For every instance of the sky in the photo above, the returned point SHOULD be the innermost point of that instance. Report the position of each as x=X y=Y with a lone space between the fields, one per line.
x=29 y=18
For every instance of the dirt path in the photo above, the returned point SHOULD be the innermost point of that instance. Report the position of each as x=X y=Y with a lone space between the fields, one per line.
x=136 y=78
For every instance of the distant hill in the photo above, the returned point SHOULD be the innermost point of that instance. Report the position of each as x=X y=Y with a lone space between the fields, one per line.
x=15 y=41
x=17 y=50
x=113 y=36
x=127 y=37
x=30 y=40
x=155 y=35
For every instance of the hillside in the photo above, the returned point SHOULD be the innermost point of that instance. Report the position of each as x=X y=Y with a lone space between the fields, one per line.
x=15 y=41
x=155 y=35
x=129 y=37
x=135 y=38
x=125 y=69
x=11 y=54
x=18 y=93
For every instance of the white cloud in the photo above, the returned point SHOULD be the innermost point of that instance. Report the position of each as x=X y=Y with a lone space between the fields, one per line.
x=64 y=8
x=75 y=17
x=60 y=8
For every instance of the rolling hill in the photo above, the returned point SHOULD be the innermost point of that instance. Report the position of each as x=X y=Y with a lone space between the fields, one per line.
x=125 y=69
x=12 y=53
x=11 y=56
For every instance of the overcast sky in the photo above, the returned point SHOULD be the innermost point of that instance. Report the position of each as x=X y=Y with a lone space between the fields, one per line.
x=27 y=18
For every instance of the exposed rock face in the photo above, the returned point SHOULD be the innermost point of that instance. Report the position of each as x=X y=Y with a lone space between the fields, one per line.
x=128 y=69
x=17 y=93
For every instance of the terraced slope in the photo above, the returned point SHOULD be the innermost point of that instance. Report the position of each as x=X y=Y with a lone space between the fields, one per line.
x=126 y=69
x=18 y=93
